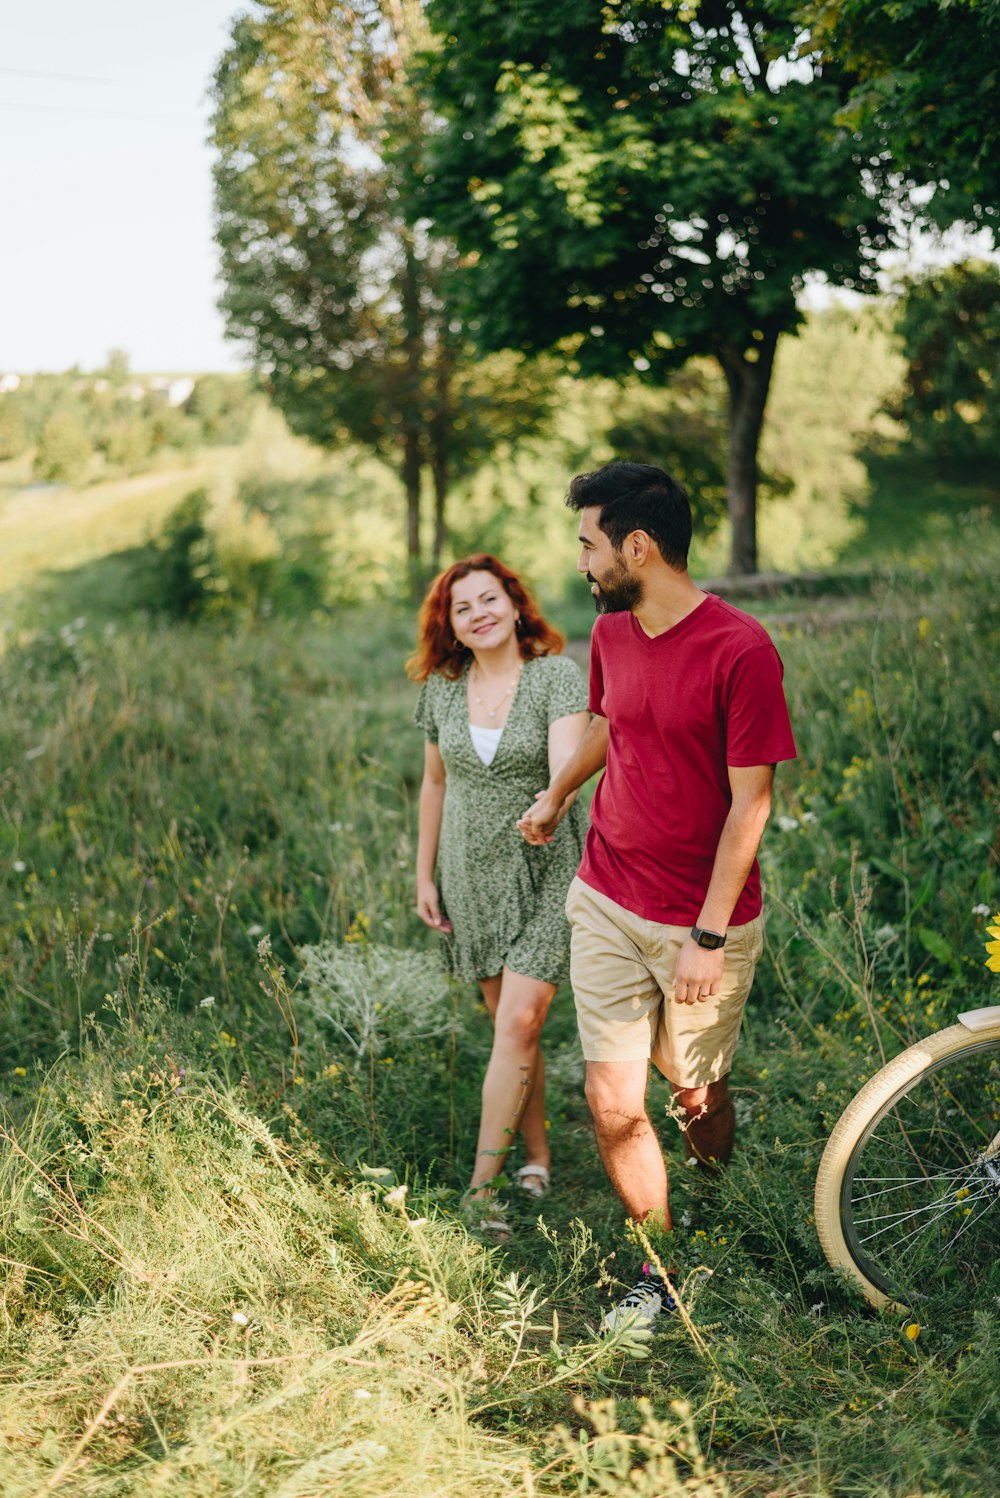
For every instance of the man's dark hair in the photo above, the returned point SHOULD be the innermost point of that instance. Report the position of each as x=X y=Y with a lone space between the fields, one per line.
x=637 y=497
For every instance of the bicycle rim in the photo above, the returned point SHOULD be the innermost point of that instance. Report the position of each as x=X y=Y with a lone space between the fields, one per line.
x=905 y=1200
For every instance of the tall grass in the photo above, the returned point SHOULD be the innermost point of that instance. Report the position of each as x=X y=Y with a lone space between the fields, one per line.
x=234 y=1261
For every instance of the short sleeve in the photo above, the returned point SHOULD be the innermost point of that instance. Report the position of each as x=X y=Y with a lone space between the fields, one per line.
x=596 y=675
x=565 y=692
x=424 y=714
x=758 y=731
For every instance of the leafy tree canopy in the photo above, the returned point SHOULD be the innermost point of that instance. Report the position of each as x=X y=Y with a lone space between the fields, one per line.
x=928 y=83
x=637 y=182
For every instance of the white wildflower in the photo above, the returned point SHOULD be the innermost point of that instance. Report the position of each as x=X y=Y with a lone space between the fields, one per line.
x=19 y=866
x=996 y=735
x=207 y=1001
x=397 y=1196
x=808 y=817
x=788 y=824
x=885 y=933
x=240 y=1318
x=362 y=1394
x=255 y=930
x=976 y=909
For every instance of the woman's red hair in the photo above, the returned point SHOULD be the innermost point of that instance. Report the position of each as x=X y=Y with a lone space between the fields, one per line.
x=437 y=649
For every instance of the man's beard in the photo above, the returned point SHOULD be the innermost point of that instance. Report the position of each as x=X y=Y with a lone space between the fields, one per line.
x=618 y=591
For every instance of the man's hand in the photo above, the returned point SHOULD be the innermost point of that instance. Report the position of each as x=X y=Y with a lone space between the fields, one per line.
x=698 y=974
x=429 y=907
x=538 y=825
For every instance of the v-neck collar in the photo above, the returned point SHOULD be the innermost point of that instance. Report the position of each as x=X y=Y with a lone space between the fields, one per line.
x=464 y=680
x=676 y=630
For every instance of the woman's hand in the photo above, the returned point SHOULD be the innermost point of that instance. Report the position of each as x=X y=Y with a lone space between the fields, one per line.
x=429 y=907
x=539 y=823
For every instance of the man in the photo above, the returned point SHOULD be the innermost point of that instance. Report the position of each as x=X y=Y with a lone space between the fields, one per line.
x=689 y=722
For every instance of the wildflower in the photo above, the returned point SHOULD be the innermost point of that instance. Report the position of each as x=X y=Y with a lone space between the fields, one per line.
x=207 y=1001
x=923 y=627
x=362 y=1394
x=996 y=735
x=397 y=1196
x=19 y=1071
x=808 y=817
x=885 y=933
x=913 y=1330
x=993 y=947
x=19 y=866
x=418 y=1222
x=34 y=753
x=788 y=824
x=255 y=930
x=240 y=1318
x=976 y=909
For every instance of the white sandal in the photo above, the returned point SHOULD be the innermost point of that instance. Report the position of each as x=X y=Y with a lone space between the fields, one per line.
x=535 y=1180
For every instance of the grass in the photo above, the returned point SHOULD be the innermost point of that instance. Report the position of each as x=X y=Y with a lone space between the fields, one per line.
x=214 y=1281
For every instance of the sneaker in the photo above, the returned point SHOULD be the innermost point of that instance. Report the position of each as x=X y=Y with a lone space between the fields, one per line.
x=648 y=1298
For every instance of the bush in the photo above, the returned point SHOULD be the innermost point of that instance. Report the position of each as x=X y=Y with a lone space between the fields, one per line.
x=13 y=432
x=64 y=450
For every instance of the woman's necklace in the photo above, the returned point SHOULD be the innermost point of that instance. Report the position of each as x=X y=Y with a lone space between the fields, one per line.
x=492 y=711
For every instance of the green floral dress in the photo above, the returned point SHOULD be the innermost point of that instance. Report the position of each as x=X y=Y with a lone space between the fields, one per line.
x=504 y=898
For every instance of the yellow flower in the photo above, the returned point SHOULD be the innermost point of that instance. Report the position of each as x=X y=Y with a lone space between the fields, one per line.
x=913 y=1330
x=923 y=628
x=19 y=1071
x=993 y=947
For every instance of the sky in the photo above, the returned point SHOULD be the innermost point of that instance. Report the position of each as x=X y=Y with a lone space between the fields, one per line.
x=105 y=185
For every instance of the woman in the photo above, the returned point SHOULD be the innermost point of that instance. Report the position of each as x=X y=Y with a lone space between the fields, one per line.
x=501 y=710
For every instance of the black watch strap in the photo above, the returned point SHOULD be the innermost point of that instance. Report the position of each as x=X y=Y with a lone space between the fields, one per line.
x=711 y=940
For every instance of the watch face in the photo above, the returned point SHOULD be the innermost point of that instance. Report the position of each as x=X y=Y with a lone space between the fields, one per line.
x=710 y=939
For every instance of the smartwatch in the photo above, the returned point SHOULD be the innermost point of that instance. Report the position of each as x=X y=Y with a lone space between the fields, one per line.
x=710 y=939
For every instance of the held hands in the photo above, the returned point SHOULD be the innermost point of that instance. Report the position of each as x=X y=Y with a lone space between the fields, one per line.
x=698 y=974
x=539 y=823
x=429 y=907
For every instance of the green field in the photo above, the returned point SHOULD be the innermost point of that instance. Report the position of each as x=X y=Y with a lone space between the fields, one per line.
x=213 y=1284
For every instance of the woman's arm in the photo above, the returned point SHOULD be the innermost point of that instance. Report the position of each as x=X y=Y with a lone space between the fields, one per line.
x=432 y=789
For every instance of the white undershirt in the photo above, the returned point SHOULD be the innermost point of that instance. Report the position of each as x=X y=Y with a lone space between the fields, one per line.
x=485 y=741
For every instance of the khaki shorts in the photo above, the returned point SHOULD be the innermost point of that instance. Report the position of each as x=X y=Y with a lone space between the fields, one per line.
x=622 y=971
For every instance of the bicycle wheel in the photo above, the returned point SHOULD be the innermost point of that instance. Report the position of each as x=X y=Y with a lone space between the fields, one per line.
x=908 y=1189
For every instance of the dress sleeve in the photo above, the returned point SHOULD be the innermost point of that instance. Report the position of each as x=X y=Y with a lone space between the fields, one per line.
x=565 y=689
x=425 y=712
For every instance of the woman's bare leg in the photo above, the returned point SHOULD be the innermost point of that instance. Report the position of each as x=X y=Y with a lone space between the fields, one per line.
x=519 y=1006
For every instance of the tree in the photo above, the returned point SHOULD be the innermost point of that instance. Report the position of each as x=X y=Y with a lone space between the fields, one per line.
x=641 y=182
x=345 y=304
x=927 y=88
x=64 y=450
x=949 y=322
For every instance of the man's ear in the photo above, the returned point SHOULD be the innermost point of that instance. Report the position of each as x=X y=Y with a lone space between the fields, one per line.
x=639 y=544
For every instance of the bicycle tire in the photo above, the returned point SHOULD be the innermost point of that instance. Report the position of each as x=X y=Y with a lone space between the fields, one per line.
x=920 y=1079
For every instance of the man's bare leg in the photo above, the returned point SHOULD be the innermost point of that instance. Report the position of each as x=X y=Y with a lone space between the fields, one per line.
x=711 y=1123
x=630 y=1149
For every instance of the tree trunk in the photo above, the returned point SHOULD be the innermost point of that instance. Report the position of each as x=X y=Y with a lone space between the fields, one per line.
x=439 y=472
x=411 y=482
x=748 y=381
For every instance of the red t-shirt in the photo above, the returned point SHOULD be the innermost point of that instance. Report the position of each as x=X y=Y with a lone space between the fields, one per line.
x=682 y=707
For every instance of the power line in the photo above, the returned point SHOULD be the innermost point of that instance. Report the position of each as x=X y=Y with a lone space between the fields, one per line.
x=117 y=114
x=62 y=77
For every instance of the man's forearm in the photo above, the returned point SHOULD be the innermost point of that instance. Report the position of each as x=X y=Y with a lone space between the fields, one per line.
x=590 y=755
x=734 y=858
